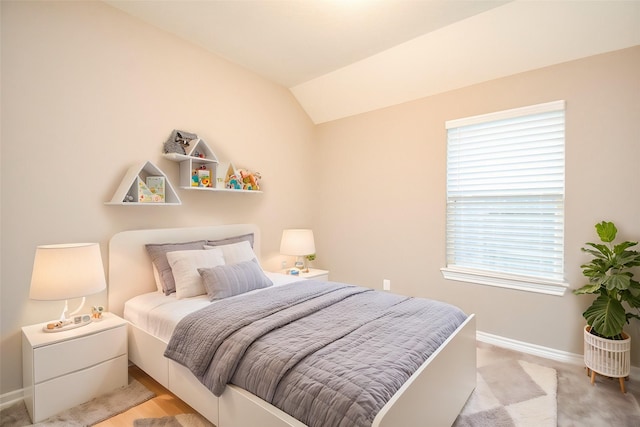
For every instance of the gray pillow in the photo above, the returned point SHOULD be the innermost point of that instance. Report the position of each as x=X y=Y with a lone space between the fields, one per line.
x=229 y=240
x=225 y=281
x=158 y=254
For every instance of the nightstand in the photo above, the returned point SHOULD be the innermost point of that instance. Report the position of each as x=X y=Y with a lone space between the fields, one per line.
x=314 y=273
x=63 y=369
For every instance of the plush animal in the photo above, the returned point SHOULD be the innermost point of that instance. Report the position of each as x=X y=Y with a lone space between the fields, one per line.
x=257 y=177
x=249 y=180
x=178 y=140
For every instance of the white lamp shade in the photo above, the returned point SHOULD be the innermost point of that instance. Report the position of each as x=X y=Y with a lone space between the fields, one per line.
x=297 y=242
x=67 y=271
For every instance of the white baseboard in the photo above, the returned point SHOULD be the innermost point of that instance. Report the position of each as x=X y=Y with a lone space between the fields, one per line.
x=538 y=350
x=533 y=349
x=10 y=398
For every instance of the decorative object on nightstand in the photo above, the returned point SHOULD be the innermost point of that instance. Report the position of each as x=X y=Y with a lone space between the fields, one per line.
x=313 y=273
x=310 y=258
x=298 y=242
x=65 y=271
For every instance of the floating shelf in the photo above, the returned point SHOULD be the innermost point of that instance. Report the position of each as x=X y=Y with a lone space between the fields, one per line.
x=198 y=149
x=227 y=190
x=133 y=187
x=200 y=157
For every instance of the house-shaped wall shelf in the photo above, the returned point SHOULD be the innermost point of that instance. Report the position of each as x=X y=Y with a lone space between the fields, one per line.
x=197 y=149
x=201 y=170
x=225 y=171
x=137 y=189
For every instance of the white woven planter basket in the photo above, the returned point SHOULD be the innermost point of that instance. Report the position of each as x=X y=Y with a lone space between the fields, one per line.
x=611 y=358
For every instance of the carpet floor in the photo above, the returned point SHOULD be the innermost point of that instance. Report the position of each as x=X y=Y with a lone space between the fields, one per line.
x=579 y=403
x=86 y=414
x=511 y=393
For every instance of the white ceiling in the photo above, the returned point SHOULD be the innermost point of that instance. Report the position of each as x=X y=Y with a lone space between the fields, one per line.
x=344 y=57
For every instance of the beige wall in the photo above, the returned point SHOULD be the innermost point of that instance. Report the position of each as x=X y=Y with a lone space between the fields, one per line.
x=88 y=91
x=386 y=191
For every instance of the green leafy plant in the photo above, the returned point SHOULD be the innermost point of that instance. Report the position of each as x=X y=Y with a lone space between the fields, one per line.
x=611 y=278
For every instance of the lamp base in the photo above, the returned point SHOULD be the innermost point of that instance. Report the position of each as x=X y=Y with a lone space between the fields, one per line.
x=301 y=264
x=65 y=325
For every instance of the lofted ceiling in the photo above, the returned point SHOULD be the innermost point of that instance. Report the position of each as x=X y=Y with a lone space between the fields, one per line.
x=345 y=57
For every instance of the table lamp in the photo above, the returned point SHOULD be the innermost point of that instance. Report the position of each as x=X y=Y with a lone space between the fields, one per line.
x=298 y=242
x=67 y=271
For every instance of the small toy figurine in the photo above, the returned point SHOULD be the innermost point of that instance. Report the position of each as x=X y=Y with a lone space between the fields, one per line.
x=234 y=183
x=96 y=312
x=249 y=180
x=54 y=325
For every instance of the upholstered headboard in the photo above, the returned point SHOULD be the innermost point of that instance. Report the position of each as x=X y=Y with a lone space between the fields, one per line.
x=130 y=269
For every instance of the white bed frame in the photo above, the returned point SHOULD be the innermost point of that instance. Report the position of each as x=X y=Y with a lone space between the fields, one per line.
x=433 y=395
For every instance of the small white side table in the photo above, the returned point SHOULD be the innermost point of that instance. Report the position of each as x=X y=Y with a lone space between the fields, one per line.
x=63 y=369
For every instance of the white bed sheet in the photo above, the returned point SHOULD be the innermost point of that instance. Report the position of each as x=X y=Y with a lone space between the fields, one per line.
x=158 y=314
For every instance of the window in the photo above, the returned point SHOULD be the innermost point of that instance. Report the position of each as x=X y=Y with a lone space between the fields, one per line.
x=505 y=199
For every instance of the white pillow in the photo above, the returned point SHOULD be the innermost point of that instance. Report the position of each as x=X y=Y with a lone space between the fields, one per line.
x=184 y=266
x=235 y=253
x=156 y=276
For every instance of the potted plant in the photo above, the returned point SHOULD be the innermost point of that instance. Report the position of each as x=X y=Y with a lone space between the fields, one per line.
x=607 y=347
x=307 y=259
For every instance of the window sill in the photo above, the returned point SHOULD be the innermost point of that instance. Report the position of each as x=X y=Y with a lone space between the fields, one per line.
x=520 y=283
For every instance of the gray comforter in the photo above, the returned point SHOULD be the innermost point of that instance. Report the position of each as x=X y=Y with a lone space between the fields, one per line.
x=329 y=354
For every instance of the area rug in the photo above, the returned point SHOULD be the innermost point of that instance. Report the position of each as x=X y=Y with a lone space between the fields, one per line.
x=87 y=414
x=182 y=420
x=512 y=393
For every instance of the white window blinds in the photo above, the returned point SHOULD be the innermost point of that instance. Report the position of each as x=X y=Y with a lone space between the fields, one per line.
x=505 y=196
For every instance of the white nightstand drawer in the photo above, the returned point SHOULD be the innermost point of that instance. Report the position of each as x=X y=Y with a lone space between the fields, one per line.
x=70 y=390
x=68 y=356
x=316 y=274
x=313 y=273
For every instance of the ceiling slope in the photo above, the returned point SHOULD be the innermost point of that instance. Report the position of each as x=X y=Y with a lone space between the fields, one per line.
x=345 y=57
x=293 y=41
x=514 y=38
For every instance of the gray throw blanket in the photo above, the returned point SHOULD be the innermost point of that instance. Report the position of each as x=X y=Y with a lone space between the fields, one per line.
x=329 y=354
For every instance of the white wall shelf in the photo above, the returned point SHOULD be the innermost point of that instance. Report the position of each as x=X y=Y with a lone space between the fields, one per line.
x=197 y=149
x=127 y=193
x=220 y=190
x=199 y=156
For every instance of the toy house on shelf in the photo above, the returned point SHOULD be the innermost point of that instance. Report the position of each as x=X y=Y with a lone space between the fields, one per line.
x=228 y=177
x=145 y=184
x=199 y=166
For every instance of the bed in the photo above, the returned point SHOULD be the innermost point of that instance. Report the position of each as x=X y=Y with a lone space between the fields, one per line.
x=433 y=395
